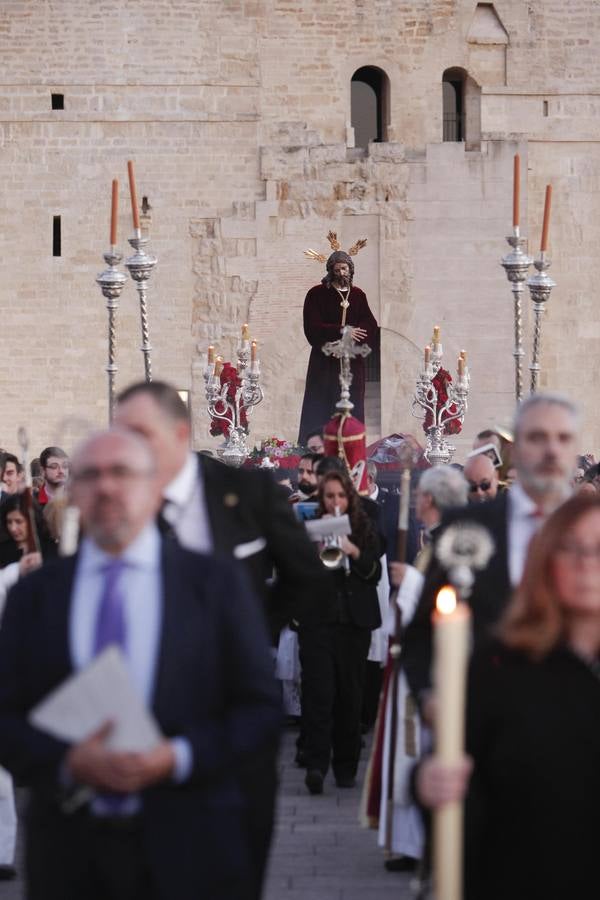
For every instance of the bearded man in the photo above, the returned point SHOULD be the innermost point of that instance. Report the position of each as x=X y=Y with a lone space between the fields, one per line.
x=546 y=437
x=328 y=308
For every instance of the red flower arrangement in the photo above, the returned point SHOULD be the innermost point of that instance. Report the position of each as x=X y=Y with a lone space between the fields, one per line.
x=282 y=453
x=229 y=376
x=440 y=382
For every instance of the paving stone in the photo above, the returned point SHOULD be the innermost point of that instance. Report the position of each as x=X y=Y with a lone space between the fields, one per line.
x=334 y=857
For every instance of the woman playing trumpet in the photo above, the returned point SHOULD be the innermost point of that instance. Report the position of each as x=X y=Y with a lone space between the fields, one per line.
x=334 y=636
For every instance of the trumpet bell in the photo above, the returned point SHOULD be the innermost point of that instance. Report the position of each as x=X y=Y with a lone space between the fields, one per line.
x=332 y=557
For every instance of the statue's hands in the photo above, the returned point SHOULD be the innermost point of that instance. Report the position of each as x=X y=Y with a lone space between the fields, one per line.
x=359 y=334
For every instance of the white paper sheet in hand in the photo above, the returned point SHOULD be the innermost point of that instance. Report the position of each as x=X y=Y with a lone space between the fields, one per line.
x=102 y=691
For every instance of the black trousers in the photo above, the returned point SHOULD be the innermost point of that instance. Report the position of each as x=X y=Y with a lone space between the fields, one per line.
x=373 y=683
x=79 y=857
x=333 y=661
x=73 y=857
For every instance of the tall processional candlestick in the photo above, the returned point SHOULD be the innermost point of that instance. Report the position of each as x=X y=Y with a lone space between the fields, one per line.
x=111 y=283
x=540 y=287
x=140 y=266
x=516 y=265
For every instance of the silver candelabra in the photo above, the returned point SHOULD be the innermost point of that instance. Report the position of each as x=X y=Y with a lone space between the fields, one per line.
x=230 y=404
x=141 y=265
x=111 y=283
x=427 y=403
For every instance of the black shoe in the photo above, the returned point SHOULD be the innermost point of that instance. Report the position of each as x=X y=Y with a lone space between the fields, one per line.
x=314 y=781
x=7 y=873
x=347 y=782
x=401 y=864
x=300 y=759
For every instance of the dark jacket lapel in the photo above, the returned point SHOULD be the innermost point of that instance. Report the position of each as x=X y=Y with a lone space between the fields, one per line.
x=223 y=504
x=58 y=586
x=174 y=598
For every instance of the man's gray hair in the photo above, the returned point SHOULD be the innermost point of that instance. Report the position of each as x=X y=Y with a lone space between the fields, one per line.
x=547 y=399
x=446 y=487
x=372 y=469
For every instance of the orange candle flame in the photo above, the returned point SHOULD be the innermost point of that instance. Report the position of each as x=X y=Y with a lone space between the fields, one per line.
x=445 y=602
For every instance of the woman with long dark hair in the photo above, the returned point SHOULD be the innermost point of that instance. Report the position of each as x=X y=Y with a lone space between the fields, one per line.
x=533 y=801
x=334 y=637
x=20 y=554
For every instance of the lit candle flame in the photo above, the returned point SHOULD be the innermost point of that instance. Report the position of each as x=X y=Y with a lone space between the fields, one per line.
x=445 y=602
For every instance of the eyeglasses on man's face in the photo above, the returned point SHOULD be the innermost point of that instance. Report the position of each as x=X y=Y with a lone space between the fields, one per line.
x=475 y=486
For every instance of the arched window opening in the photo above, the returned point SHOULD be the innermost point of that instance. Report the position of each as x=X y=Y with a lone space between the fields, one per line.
x=462 y=108
x=369 y=104
x=453 y=88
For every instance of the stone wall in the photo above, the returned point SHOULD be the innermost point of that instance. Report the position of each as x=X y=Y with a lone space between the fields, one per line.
x=237 y=115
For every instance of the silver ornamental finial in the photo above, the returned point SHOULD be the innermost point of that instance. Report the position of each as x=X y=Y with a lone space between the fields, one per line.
x=463 y=549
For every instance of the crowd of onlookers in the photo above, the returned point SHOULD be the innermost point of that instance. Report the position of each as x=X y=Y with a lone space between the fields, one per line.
x=331 y=614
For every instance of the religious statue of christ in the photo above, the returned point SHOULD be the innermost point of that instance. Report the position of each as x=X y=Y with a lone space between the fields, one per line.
x=328 y=307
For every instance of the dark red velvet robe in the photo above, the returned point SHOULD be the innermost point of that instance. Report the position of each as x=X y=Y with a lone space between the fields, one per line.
x=322 y=323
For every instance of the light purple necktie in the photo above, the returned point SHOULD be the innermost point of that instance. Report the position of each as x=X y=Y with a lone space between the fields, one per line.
x=110 y=621
x=110 y=629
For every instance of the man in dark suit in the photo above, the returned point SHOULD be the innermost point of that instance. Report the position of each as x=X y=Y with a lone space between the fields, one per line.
x=235 y=513
x=544 y=454
x=168 y=822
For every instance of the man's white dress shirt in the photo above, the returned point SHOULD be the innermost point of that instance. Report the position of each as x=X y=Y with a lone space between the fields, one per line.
x=185 y=507
x=141 y=586
x=524 y=519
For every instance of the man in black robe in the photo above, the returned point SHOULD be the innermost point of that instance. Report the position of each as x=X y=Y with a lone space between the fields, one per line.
x=328 y=307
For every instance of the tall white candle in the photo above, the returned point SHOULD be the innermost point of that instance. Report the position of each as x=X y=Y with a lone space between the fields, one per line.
x=69 y=533
x=404 y=500
x=451 y=625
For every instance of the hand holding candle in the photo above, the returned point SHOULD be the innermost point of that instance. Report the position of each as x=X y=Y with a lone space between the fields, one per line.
x=546 y=224
x=133 y=194
x=516 y=189
x=114 y=210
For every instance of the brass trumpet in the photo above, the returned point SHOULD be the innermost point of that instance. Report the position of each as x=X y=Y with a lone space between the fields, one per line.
x=331 y=554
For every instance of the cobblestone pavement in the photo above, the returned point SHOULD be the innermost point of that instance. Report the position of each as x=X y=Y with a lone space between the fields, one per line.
x=320 y=852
